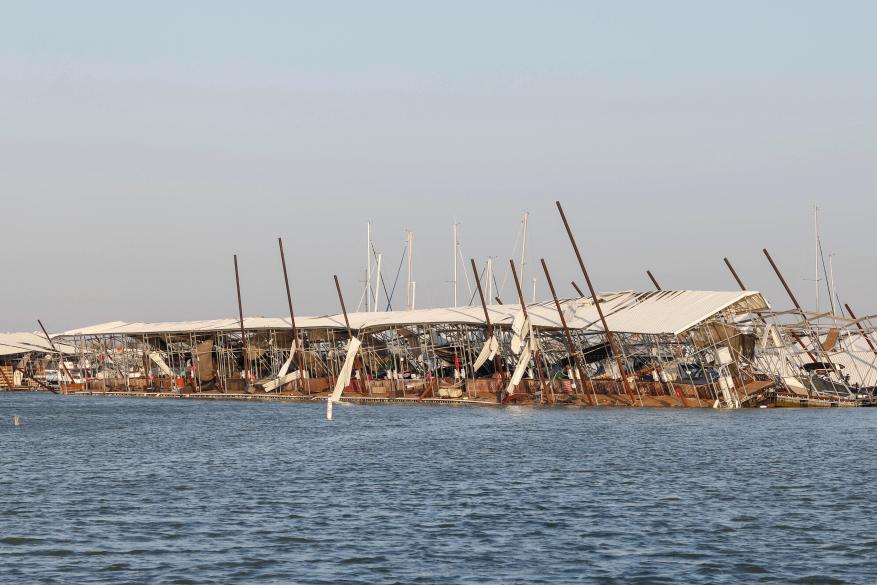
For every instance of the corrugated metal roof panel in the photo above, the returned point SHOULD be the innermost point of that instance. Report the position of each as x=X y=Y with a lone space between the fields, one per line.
x=663 y=312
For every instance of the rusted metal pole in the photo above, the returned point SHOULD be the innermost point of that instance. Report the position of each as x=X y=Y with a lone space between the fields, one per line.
x=578 y=290
x=795 y=302
x=862 y=329
x=609 y=336
x=743 y=287
x=343 y=308
x=526 y=317
x=490 y=328
x=344 y=312
x=570 y=346
x=734 y=274
x=654 y=281
x=244 y=341
x=481 y=296
x=782 y=280
x=298 y=343
x=60 y=356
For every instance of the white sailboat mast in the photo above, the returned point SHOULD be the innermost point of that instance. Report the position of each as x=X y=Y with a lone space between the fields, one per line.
x=454 y=259
x=368 y=267
x=490 y=280
x=524 y=245
x=378 y=283
x=408 y=295
x=816 y=235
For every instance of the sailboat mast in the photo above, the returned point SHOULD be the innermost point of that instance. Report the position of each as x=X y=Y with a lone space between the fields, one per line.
x=816 y=254
x=454 y=259
x=378 y=282
x=368 y=267
x=525 y=222
x=410 y=268
x=490 y=278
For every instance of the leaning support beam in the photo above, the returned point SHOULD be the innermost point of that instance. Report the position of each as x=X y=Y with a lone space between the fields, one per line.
x=609 y=337
x=794 y=302
x=570 y=346
x=734 y=274
x=343 y=307
x=295 y=339
x=60 y=356
x=244 y=341
x=743 y=287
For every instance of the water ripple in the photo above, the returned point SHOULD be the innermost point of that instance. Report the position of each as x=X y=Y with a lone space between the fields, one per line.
x=95 y=490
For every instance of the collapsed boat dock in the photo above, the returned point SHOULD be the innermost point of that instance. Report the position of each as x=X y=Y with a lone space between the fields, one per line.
x=685 y=348
x=677 y=348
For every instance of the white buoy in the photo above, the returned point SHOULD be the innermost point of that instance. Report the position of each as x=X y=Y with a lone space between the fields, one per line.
x=329 y=409
x=16 y=421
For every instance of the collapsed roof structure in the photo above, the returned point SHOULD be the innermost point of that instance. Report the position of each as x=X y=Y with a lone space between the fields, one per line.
x=20 y=354
x=699 y=342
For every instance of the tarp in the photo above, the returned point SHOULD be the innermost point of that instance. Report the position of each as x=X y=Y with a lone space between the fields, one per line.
x=346 y=369
x=491 y=346
x=204 y=360
x=520 y=370
x=22 y=343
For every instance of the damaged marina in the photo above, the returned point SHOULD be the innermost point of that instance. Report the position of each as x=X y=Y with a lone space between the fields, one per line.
x=676 y=348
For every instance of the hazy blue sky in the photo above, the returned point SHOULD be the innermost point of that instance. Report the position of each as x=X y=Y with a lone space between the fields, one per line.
x=142 y=144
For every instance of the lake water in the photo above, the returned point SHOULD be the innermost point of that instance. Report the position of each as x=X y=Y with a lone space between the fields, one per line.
x=96 y=490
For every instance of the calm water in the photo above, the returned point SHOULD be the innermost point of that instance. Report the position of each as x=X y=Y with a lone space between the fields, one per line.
x=96 y=490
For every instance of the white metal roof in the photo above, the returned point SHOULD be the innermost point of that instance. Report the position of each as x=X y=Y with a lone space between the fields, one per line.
x=20 y=343
x=665 y=312
x=662 y=312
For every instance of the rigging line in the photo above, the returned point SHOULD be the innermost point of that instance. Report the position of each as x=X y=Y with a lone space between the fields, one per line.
x=362 y=297
x=480 y=276
x=465 y=273
x=825 y=273
x=395 y=282
x=505 y=277
x=383 y=282
x=498 y=291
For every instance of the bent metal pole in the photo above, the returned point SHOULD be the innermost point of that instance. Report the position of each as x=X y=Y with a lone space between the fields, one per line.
x=244 y=342
x=295 y=338
x=570 y=346
x=609 y=337
x=60 y=356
